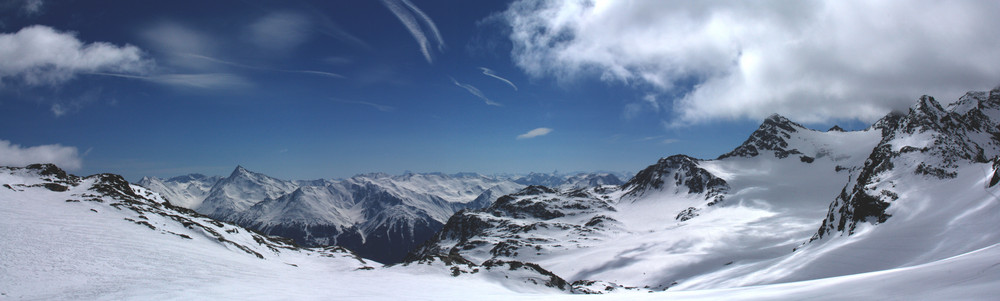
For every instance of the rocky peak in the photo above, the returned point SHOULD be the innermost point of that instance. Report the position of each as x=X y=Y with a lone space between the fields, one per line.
x=190 y=177
x=946 y=137
x=535 y=190
x=240 y=171
x=49 y=169
x=772 y=135
x=683 y=171
x=836 y=128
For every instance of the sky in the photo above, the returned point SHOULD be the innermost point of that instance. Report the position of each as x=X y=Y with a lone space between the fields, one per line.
x=330 y=89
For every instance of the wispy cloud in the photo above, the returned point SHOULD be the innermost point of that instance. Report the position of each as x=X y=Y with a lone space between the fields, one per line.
x=245 y=66
x=279 y=32
x=490 y=73
x=475 y=91
x=197 y=80
x=174 y=41
x=535 y=133
x=59 y=110
x=41 y=55
x=404 y=11
x=15 y=155
x=661 y=139
x=32 y=7
x=332 y=29
x=383 y=108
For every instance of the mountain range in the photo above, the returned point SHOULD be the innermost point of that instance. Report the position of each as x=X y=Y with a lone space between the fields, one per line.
x=906 y=208
x=380 y=216
x=788 y=204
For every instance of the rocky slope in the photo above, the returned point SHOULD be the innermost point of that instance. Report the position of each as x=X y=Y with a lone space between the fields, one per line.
x=751 y=215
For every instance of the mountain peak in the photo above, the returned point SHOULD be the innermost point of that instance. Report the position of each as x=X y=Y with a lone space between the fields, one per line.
x=929 y=106
x=836 y=128
x=240 y=170
x=771 y=135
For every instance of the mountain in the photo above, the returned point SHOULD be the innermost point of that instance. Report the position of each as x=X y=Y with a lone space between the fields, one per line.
x=99 y=237
x=788 y=204
x=378 y=215
x=568 y=181
x=240 y=190
x=186 y=191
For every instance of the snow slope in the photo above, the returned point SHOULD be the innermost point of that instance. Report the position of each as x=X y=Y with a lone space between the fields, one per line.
x=186 y=191
x=100 y=238
x=911 y=190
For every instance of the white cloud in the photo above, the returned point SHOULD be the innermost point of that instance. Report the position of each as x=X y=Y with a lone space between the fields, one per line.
x=812 y=61
x=64 y=156
x=475 y=91
x=404 y=11
x=535 y=133
x=279 y=32
x=41 y=55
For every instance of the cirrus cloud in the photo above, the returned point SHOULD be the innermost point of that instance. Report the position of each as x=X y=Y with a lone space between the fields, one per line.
x=813 y=61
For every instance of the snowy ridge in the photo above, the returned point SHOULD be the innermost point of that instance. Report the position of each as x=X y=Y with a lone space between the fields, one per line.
x=924 y=176
x=186 y=191
x=378 y=215
x=916 y=194
x=239 y=191
x=568 y=181
x=104 y=238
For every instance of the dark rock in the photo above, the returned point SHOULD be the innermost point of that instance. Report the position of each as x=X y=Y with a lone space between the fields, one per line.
x=771 y=135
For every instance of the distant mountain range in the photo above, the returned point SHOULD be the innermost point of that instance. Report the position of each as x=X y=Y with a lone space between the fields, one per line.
x=379 y=216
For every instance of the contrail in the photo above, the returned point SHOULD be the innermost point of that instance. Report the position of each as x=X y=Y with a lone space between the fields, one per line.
x=488 y=72
x=405 y=15
x=198 y=80
x=427 y=21
x=476 y=92
x=383 y=108
x=224 y=62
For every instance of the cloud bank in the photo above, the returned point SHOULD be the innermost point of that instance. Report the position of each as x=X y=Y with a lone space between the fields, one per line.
x=813 y=61
x=40 y=55
x=534 y=133
x=64 y=156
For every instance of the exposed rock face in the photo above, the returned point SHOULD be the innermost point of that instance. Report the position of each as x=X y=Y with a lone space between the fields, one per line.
x=929 y=140
x=771 y=135
x=680 y=173
x=508 y=227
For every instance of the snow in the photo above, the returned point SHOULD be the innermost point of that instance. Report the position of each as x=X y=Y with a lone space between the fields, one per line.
x=52 y=249
x=939 y=243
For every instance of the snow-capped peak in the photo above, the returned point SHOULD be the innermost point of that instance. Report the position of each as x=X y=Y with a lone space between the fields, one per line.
x=772 y=135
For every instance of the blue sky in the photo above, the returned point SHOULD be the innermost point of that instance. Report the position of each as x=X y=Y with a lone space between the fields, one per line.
x=326 y=89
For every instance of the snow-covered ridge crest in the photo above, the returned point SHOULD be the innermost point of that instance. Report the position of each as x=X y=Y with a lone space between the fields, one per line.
x=110 y=196
x=929 y=141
